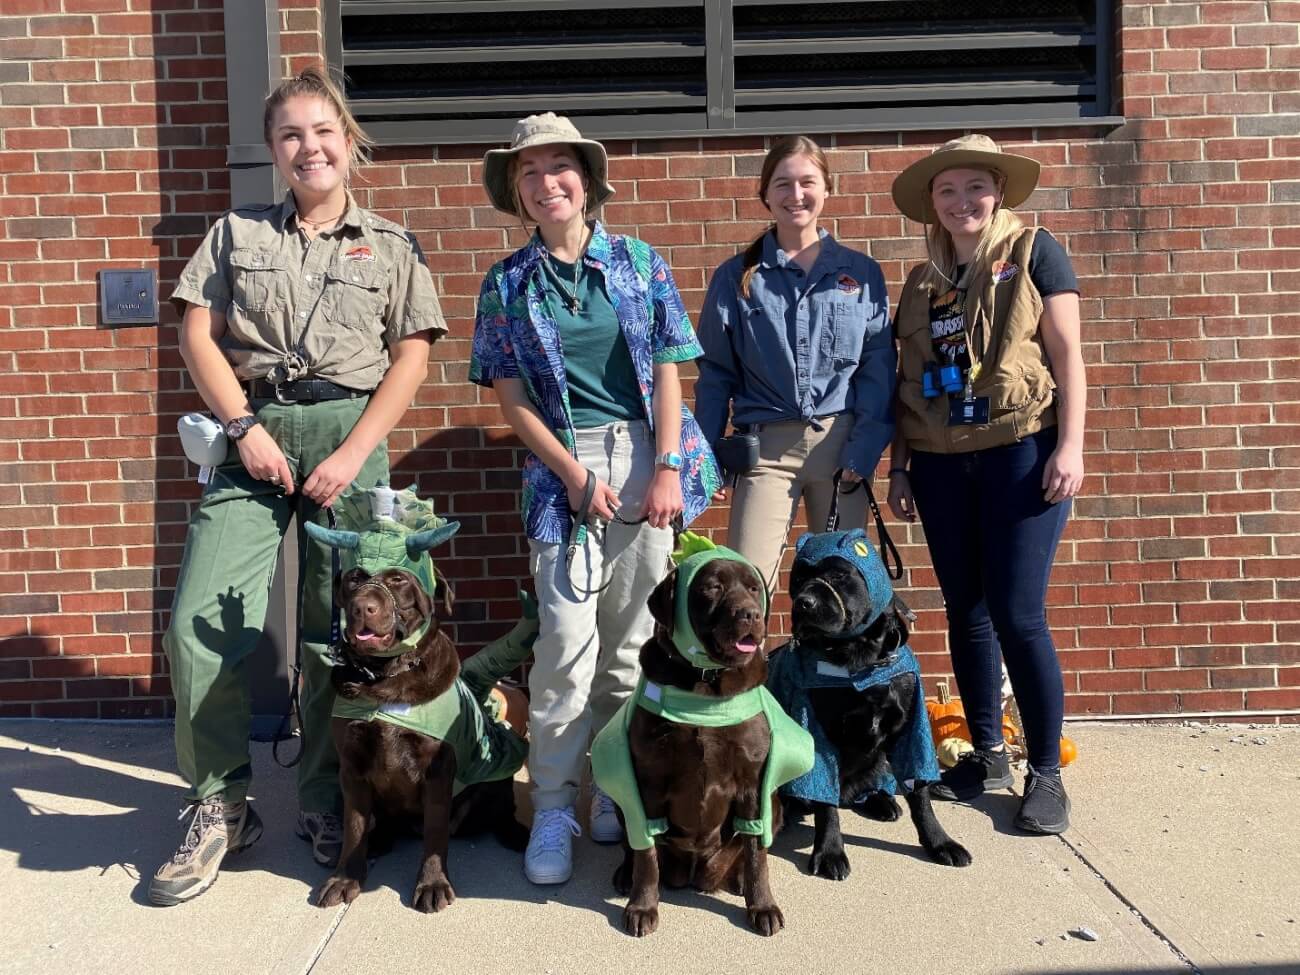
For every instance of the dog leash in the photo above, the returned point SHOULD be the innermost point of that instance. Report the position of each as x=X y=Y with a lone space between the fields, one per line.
x=888 y=550
x=293 y=707
x=580 y=518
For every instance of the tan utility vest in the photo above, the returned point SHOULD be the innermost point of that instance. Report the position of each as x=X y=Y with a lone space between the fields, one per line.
x=1002 y=312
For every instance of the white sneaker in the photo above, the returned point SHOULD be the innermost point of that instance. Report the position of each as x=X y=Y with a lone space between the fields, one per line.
x=602 y=822
x=549 y=857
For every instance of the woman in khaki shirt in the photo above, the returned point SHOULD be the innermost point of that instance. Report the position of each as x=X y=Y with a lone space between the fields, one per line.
x=306 y=330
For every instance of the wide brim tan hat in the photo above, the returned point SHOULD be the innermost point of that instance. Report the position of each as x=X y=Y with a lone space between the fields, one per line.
x=547 y=129
x=912 y=187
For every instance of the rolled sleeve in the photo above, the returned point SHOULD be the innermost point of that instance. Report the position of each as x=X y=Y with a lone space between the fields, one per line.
x=206 y=279
x=492 y=355
x=719 y=372
x=413 y=304
x=873 y=386
x=673 y=339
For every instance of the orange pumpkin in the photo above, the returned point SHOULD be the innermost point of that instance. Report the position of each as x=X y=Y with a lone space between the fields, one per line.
x=1010 y=733
x=512 y=706
x=1068 y=751
x=947 y=716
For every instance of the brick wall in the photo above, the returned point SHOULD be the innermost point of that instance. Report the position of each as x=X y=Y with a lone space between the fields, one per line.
x=1177 y=587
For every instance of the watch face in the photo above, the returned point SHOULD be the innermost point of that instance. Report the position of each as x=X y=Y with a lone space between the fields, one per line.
x=239 y=426
x=671 y=460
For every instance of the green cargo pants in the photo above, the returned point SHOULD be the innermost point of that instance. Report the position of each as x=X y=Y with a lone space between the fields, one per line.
x=220 y=607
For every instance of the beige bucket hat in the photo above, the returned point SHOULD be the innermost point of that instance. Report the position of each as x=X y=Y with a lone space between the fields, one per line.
x=912 y=187
x=544 y=130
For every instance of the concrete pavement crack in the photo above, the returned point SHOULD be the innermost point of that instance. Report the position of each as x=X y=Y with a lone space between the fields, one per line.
x=326 y=938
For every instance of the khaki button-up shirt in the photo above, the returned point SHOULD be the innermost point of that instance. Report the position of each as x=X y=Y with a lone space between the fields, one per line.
x=327 y=307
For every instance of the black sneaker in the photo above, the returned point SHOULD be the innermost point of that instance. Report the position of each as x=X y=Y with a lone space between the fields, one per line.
x=975 y=772
x=1045 y=807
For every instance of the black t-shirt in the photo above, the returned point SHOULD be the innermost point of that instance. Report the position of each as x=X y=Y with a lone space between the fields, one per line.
x=1049 y=269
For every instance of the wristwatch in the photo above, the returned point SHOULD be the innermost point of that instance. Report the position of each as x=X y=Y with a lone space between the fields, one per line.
x=239 y=426
x=672 y=461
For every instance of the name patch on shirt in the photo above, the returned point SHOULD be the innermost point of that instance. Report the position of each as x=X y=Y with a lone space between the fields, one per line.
x=359 y=254
x=848 y=284
x=1004 y=271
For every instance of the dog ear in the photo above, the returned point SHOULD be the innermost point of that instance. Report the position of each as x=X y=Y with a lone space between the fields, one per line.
x=663 y=601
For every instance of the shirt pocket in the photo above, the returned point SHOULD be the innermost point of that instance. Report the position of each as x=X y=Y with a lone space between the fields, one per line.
x=355 y=293
x=259 y=279
x=848 y=327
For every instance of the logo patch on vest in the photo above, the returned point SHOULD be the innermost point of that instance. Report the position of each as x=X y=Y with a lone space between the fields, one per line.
x=861 y=549
x=359 y=254
x=848 y=284
x=1004 y=271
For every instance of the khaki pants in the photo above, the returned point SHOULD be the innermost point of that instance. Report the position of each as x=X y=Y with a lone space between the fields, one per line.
x=586 y=658
x=795 y=461
x=220 y=607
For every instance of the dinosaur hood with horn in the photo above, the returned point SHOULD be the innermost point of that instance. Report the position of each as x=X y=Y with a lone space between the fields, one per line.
x=381 y=528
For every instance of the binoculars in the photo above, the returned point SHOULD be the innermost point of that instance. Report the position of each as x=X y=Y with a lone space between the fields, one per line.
x=939 y=379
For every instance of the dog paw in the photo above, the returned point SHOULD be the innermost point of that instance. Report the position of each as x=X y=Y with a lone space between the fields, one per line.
x=348 y=689
x=880 y=806
x=767 y=921
x=434 y=897
x=640 y=921
x=833 y=865
x=337 y=890
x=950 y=853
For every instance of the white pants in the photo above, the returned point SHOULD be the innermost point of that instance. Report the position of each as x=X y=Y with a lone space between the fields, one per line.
x=586 y=654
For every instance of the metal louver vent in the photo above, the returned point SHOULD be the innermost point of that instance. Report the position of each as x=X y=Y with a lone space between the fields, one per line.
x=463 y=70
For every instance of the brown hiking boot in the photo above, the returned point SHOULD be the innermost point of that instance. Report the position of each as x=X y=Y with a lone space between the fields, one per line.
x=215 y=830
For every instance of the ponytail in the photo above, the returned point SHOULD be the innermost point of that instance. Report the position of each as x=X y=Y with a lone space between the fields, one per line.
x=750 y=261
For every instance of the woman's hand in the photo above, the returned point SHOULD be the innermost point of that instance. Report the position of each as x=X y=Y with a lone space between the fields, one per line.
x=603 y=503
x=850 y=476
x=901 y=502
x=1063 y=474
x=333 y=476
x=663 y=502
x=719 y=496
x=263 y=458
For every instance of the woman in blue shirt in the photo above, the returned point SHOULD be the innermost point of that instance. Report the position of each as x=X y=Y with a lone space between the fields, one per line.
x=797 y=349
x=578 y=334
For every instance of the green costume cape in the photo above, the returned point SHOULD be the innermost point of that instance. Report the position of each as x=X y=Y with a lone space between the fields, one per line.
x=790 y=753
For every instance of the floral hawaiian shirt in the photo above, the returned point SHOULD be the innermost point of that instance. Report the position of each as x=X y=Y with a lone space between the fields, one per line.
x=515 y=337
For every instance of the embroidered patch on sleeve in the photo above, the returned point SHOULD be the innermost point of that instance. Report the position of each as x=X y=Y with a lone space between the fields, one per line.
x=359 y=254
x=848 y=284
x=1004 y=271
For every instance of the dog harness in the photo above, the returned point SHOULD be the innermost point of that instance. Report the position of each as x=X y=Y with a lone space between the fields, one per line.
x=793 y=673
x=790 y=752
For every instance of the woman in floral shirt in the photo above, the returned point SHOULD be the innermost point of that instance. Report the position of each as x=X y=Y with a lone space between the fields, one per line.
x=579 y=334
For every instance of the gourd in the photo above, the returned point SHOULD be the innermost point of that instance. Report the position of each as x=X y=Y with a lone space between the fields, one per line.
x=947 y=716
x=510 y=705
x=951 y=750
x=1069 y=752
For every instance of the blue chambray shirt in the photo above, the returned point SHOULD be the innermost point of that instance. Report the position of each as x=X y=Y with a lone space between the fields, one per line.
x=801 y=346
x=515 y=337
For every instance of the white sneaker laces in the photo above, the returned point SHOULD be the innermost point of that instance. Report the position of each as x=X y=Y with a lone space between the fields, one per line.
x=548 y=830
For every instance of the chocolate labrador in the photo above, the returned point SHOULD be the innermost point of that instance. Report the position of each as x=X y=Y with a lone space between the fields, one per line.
x=401 y=723
x=699 y=806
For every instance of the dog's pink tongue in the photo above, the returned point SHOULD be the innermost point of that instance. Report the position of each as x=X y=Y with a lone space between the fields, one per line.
x=747 y=645
x=366 y=636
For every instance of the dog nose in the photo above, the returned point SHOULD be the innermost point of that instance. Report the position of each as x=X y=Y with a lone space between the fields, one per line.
x=805 y=603
x=747 y=614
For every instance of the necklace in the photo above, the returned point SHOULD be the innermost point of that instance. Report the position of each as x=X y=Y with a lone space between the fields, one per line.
x=328 y=221
x=570 y=298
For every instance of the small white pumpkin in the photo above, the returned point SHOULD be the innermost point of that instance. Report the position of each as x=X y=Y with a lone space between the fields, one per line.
x=951 y=749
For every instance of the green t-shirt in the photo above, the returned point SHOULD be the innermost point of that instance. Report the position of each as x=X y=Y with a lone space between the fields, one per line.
x=603 y=387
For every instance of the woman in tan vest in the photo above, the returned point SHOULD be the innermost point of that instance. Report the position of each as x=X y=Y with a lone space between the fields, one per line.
x=989 y=449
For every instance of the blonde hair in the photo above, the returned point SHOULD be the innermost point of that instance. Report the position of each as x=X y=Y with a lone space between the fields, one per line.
x=782 y=149
x=313 y=81
x=940 y=274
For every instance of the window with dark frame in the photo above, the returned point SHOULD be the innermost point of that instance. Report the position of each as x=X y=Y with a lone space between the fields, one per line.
x=424 y=71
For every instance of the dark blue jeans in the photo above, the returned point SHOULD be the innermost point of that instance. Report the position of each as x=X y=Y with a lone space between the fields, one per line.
x=992 y=539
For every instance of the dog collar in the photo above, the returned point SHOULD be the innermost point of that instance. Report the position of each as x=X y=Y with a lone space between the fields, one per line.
x=686 y=641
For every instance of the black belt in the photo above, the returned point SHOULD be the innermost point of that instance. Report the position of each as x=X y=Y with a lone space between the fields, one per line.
x=302 y=391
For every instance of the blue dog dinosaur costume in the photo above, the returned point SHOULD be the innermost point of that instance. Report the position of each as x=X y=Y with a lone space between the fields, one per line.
x=793 y=674
x=379 y=529
x=790 y=752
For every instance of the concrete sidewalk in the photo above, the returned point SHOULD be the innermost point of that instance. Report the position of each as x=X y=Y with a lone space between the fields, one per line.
x=1184 y=857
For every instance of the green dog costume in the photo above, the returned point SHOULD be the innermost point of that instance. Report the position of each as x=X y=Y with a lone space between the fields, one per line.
x=385 y=529
x=790 y=753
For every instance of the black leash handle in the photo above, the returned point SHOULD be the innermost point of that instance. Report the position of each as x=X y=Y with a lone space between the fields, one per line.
x=293 y=707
